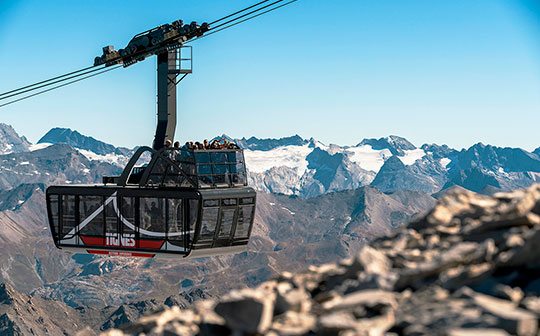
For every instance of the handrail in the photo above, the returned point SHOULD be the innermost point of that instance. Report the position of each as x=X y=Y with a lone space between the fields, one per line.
x=122 y=181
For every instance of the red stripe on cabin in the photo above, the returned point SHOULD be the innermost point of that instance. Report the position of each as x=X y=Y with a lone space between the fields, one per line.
x=94 y=241
x=151 y=244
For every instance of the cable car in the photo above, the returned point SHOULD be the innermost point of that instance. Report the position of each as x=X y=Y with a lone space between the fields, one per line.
x=187 y=203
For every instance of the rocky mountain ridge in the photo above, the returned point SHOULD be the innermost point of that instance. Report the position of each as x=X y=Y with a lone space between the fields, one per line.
x=308 y=168
x=468 y=267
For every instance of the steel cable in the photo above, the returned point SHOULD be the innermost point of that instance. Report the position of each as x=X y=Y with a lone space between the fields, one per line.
x=45 y=81
x=236 y=23
x=59 y=86
x=240 y=11
x=50 y=83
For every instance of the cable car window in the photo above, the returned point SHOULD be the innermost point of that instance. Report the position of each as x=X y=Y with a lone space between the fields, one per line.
x=211 y=203
x=202 y=157
x=193 y=215
x=91 y=215
x=219 y=157
x=237 y=168
x=92 y=225
x=228 y=201
x=54 y=214
x=208 y=223
x=111 y=219
x=128 y=215
x=244 y=220
x=68 y=215
x=235 y=156
x=247 y=200
x=221 y=168
x=175 y=220
x=152 y=220
x=227 y=217
x=204 y=169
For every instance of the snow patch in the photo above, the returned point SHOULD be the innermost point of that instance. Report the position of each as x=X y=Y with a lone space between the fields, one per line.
x=39 y=146
x=373 y=159
x=411 y=156
x=291 y=156
x=117 y=160
x=284 y=208
x=368 y=158
x=7 y=149
x=445 y=162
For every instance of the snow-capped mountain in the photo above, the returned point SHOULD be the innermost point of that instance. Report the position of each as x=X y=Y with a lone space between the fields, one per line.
x=294 y=166
x=308 y=168
x=91 y=148
x=290 y=166
x=10 y=141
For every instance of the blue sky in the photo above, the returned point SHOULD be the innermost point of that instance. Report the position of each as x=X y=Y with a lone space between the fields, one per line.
x=454 y=72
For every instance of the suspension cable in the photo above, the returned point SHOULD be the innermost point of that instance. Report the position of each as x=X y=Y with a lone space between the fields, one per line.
x=51 y=83
x=45 y=81
x=59 y=86
x=240 y=11
x=249 y=13
x=236 y=23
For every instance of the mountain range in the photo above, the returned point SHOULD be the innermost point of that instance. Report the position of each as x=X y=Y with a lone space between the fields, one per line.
x=316 y=203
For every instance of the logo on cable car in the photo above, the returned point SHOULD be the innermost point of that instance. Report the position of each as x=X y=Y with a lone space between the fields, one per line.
x=127 y=240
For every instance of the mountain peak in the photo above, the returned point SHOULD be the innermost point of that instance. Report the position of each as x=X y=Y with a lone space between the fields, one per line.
x=77 y=140
x=254 y=143
x=10 y=141
x=397 y=145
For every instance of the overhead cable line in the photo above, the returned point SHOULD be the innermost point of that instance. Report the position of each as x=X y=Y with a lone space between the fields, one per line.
x=236 y=23
x=45 y=81
x=249 y=13
x=59 y=86
x=51 y=83
x=240 y=11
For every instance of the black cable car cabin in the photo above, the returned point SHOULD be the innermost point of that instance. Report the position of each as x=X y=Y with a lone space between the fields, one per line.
x=188 y=203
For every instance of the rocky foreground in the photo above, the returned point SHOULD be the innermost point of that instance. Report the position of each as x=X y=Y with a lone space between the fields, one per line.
x=470 y=266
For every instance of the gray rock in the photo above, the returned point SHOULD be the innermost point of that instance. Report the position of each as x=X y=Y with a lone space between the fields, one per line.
x=247 y=311
x=509 y=317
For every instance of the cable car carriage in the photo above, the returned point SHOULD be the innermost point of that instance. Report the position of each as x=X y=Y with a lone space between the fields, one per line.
x=184 y=202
